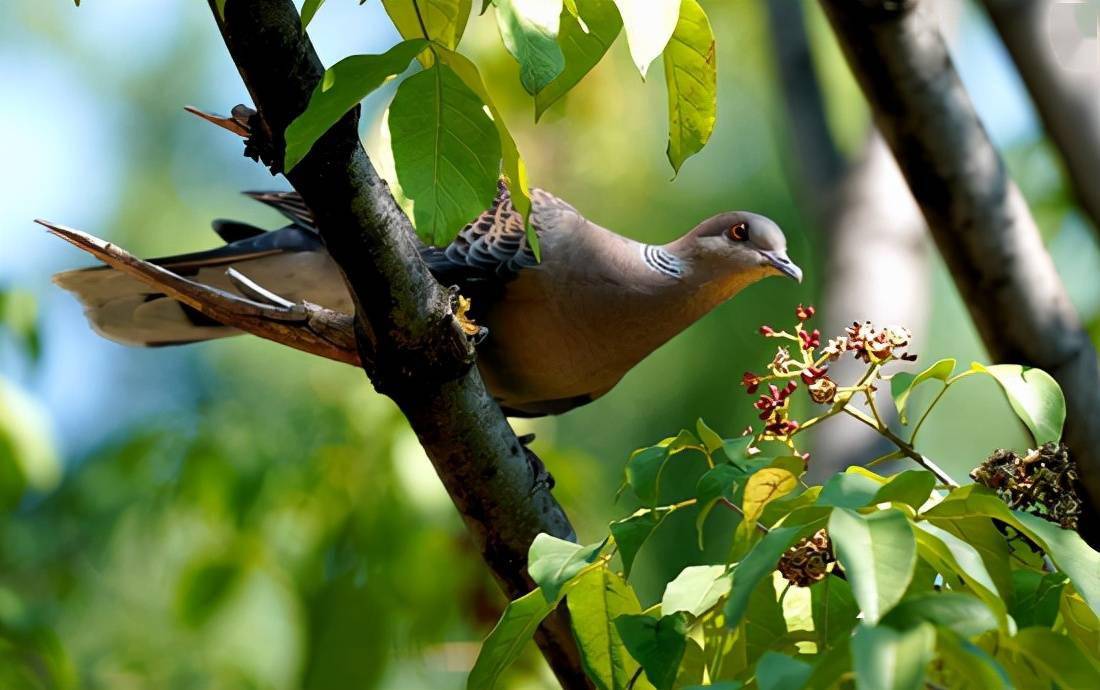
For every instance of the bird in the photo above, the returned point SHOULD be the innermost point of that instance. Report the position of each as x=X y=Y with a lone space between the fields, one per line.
x=562 y=331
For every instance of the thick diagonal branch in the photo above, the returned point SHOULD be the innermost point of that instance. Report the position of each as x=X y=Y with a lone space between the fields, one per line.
x=976 y=214
x=416 y=352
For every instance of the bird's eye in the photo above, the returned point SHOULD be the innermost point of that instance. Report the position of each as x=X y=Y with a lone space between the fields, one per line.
x=739 y=232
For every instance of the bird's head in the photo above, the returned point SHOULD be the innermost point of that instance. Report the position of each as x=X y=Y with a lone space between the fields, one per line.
x=738 y=242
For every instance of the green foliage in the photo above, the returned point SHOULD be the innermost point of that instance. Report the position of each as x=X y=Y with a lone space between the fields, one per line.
x=529 y=30
x=893 y=582
x=649 y=25
x=309 y=10
x=583 y=45
x=440 y=21
x=691 y=73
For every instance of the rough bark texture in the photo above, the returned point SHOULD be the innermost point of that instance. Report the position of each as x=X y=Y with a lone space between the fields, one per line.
x=1066 y=95
x=976 y=214
x=410 y=344
x=869 y=227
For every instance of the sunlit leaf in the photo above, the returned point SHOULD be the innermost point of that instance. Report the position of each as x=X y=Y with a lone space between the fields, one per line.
x=529 y=29
x=963 y=613
x=691 y=78
x=515 y=629
x=595 y=601
x=343 y=86
x=696 y=589
x=581 y=49
x=1035 y=397
x=657 y=644
x=758 y=564
x=630 y=533
x=953 y=556
x=902 y=384
x=763 y=487
x=888 y=659
x=848 y=490
x=309 y=10
x=834 y=610
x=878 y=553
x=446 y=150
x=552 y=562
x=444 y=21
x=649 y=25
x=1057 y=656
x=911 y=487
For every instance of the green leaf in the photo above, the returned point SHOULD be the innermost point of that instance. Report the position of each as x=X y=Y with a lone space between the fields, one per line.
x=219 y=4
x=515 y=170
x=1057 y=656
x=888 y=659
x=965 y=614
x=309 y=10
x=1069 y=552
x=696 y=589
x=444 y=20
x=343 y=86
x=582 y=49
x=552 y=562
x=716 y=483
x=911 y=487
x=777 y=671
x=631 y=533
x=980 y=533
x=764 y=626
x=902 y=384
x=878 y=553
x=515 y=629
x=953 y=556
x=529 y=29
x=736 y=450
x=1081 y=623
x=649 y=25
x=643 y=473
x=1037 y=599
x=598 y=597
x=973 y=667
x=446 y=151
x=848 y=490
x=205 y=587
x=759 y=563
x=1035 y=397
x=657 y=644
x=691 y=78
x=708 y=436
x=834 y=610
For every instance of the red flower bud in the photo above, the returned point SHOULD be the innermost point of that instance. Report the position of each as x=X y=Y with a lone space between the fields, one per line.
x=810 y=340
x=767 y=330
x=750 y=381
x=804 y=313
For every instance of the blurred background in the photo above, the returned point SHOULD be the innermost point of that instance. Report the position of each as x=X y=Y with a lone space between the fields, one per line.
x=238 y=515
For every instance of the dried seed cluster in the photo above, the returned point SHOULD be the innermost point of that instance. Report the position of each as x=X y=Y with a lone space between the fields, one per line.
x=1042 y=482
x=808 y=561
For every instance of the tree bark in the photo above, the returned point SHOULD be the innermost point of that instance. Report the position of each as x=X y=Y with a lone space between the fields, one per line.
x=977 y=216
x=869 y=228
x=1066 y=96
x=410 y=344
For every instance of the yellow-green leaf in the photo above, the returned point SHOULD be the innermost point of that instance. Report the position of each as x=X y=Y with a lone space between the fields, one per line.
x=583 y=45
x=343 y=86
x=595 y=601
x=691 y=77
x=444 y=21
x=514 y=630
x=649 y=25
x=446 y=151
x=309 y=10
x=529 y=29
x=765 y=486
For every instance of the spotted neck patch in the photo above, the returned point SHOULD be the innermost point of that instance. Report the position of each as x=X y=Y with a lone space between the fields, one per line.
x=662 y=261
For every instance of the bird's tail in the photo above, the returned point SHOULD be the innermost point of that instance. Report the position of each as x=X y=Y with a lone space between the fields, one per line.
x=291 y=262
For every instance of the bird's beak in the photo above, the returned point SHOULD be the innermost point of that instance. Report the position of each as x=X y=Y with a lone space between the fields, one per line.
x=783 y=264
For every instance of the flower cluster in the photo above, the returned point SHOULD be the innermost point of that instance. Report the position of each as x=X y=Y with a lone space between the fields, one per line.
x=808 y=561
x=1042 y=482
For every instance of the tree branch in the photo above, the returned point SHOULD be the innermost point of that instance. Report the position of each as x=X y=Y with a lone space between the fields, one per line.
x=407 y=337
x=977 y=216
x=1068 y=100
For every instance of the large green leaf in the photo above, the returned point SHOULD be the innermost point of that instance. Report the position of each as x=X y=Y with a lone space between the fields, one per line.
x=1069 y=552
x=691 y=78
x=696 y=589
x=446 y=151
x=980 y=533
x=514 y=630
x=1038 y=596
x=343 y=86
x=953 y=556
x=515 y=170
x=595 y=601
x=776 y=671
x=444 y=20
x=888 y=659
x=911 y=487
x=848 y=490
x=962 y=613
x=529 y=29
x=630 y=533
x=902 y=384
x=716 y=483
x=834 y=610
x=1035 y=397
x=759 y=563
x=649 y=25
x=643 y=473
x=582 y=49
x=878 y=553
x=309 y=10
x=972 y=667
x=552 y=562
x=657 y=644
x=1057 y=656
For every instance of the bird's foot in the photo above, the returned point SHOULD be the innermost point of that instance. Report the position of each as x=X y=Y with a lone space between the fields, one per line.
x=460 y=308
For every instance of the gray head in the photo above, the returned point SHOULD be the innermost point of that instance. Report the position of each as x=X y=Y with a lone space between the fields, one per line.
x=738 y=242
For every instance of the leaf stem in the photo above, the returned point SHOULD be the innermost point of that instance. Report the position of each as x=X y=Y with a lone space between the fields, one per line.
x=920 y=422
x=905 y=448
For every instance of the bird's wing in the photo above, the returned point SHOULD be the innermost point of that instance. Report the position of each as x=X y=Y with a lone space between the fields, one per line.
x=290 y=204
